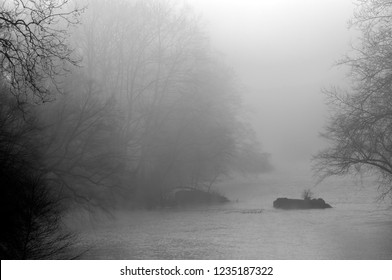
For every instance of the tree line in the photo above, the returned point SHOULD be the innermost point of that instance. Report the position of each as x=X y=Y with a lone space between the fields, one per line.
x=109 y=104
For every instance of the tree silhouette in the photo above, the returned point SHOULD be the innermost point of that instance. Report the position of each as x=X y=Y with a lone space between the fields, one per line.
x=360 y=129
x=33 y=45
x=30 y=210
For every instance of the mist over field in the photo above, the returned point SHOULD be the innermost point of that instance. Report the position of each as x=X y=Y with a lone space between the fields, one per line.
x=198 y=129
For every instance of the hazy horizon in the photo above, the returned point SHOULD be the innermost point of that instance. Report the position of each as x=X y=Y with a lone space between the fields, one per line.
x=283 y=53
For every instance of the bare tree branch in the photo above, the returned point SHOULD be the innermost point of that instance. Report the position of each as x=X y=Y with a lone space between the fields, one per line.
x=34 y=50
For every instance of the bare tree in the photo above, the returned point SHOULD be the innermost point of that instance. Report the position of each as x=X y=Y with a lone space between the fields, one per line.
x=176 y=104
x=33 y=45
x=360 y=128
x=30 y=208
x=79 y=135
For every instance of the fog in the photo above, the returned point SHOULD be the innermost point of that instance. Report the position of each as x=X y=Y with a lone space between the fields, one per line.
x=284 y=53
x=135 y=129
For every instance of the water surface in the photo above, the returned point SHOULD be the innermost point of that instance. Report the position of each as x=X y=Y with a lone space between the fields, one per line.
x=357 y=227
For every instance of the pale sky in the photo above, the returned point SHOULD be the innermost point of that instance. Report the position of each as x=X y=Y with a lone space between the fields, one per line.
x=283 y=52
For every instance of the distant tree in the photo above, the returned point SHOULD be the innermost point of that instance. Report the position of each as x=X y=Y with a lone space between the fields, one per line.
x=151 y=59
x=159 y=109
x=80 y=134
x=360 y=128
x=249 y=158
x=33 y=45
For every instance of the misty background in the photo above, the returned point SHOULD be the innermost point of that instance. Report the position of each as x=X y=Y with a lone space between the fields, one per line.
x=284 y=53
